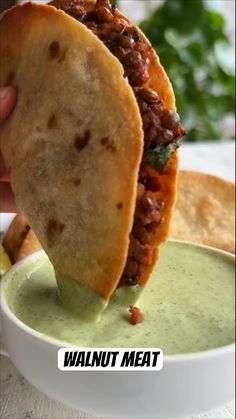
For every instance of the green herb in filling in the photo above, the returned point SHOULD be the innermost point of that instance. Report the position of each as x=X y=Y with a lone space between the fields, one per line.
x=160 y=155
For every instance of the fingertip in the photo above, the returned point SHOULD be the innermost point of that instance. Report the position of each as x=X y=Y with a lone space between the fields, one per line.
x=8 y=98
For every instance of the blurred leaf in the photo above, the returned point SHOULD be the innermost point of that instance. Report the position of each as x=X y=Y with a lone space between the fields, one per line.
x=213 y=28
x=193 y=55
x=179 y=41
x=216 y=20
x=225 y=57
x=190 y=118
x=183 y=15
x=219 y=105
x=190 y=39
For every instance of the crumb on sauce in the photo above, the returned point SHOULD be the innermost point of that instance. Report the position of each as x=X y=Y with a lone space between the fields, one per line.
x=136 y=315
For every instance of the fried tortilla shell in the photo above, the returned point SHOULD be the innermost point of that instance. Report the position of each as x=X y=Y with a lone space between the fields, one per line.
x=73 y=143
x=205 y=211
x=19 y=240
x=15 y=236
x=29 y=246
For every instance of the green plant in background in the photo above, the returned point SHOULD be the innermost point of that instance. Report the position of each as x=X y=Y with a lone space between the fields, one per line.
x=192 y=45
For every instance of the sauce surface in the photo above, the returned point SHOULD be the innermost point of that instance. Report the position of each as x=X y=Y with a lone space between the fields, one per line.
x=188 y=305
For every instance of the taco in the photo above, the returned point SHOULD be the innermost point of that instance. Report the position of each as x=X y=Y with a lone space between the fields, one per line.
x=92 y=143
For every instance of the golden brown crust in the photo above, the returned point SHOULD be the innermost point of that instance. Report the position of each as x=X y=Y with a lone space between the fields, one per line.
x=205 y=210
x=15 y=236
x=20 y=240
x=73 y=143
x=29 y=246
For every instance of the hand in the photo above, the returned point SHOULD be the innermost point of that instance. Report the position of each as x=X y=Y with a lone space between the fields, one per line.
x=8 y=98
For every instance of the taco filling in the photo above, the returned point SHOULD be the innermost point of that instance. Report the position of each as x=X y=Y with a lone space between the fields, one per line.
x=161 y=126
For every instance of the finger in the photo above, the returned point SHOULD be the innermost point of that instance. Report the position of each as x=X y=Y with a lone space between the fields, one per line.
x=7 y=201
x=8 y=97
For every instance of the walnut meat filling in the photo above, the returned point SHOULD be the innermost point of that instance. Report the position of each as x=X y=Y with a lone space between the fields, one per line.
x=161 y=126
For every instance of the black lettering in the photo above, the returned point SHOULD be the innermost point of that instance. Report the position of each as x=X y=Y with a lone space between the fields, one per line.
x=146 y=359
x=105 y=359
x=138 y=359
x=70 y=358
x=80 y=359
x=155 y=358
x=128 y=359
x=97 y=356
x=114 y=356
x=87 y=359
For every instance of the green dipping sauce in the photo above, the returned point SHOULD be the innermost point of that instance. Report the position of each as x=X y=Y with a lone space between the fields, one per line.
x=188 y=305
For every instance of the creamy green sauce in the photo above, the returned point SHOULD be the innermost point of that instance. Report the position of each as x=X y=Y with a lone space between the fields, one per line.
x=82 y=301
x=188 y=305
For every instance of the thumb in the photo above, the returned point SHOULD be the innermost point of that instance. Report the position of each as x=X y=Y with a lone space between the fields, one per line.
x=8 y=97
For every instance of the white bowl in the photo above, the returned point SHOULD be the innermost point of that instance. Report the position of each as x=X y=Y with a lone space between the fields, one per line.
x=187 y=384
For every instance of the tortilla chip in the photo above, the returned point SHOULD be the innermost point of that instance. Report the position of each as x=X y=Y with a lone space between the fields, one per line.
x=15 y=236
x=73 y=143
x=20 y=240
x=205 y=211
x=29 y=246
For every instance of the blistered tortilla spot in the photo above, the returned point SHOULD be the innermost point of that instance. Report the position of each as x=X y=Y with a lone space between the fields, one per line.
x=63 y=56
x=81 y=141
x=54 y=50
x=104 y=140
x=38 y=129
x=119 y=205
x=109 y=145
x=76 y=182
x=52 y=121
x=54 y=229
x=10 y=78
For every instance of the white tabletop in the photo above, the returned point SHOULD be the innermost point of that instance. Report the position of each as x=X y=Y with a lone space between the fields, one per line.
x=19 y=400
